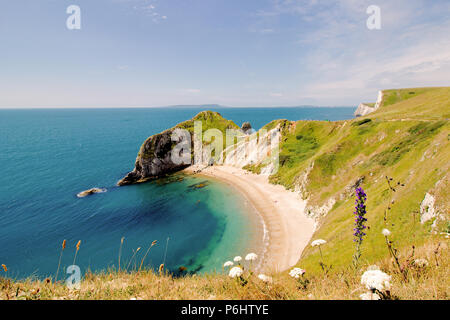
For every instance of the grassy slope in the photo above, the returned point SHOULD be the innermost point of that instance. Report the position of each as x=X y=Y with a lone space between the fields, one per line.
x=428 y=283
x=407 y=138
x=416 y=103
x=209 y=119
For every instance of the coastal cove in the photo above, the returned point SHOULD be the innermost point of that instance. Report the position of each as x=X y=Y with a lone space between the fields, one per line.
x=220 y=159
x=50 y=156
x=287 y=230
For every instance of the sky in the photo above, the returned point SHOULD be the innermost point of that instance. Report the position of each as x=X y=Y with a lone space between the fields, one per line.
x=240 y=53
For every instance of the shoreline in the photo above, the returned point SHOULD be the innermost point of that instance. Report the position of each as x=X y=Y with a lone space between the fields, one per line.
x=282 y=211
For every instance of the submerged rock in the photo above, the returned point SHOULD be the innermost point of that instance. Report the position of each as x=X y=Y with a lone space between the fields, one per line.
x=89 y=192
x=199 y=185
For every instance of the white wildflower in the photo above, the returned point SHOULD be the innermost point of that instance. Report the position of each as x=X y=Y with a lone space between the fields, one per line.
x=228 y=264
x=251 y=257
x=370 y=296
x=237 y=258
x=296 y=273
x=265 y=278
x=235 y=272
x=386 y=232
x=421 y=263
x=376 y=279
x=318 y=242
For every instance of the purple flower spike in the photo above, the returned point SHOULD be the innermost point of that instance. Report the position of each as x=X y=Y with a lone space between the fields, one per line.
x=360 y=211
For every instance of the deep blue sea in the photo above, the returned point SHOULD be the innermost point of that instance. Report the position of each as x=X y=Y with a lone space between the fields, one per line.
x=47 y=156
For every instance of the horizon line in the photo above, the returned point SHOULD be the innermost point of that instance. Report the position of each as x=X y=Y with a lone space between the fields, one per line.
x=171 y=106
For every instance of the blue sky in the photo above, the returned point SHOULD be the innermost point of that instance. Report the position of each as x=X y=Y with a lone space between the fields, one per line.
x=246 y=53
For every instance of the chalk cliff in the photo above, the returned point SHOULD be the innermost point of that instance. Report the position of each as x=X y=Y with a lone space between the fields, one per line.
x=367 y=108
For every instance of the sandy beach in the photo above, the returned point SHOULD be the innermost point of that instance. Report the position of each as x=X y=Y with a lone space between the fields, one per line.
x=289 y=229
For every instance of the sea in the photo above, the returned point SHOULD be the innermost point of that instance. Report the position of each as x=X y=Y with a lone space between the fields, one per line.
x=48 y=156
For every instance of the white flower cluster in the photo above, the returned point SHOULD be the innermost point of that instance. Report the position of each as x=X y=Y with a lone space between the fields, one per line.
x=376 y=280
x=318 y=242
x=228 y=264
x=251 y=256
x=236 y=272
x=386 y=232
x=296 y=273
x=265 y=278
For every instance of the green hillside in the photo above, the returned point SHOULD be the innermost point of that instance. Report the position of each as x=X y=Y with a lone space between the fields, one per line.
x=407 y=139
x=415 y=103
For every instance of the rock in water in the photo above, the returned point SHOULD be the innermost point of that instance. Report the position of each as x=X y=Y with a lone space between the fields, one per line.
x=246 y=127
x=89 y=192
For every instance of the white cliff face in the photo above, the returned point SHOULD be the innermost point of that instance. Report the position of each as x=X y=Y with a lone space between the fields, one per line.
x=427 y=210
x=317 y=212
x=254 y=151
x=302 y=182
x=268 y=170
x=364 y=109
x=379 y=100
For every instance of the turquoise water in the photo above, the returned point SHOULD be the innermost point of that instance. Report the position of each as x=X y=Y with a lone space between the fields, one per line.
x=48 y=156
